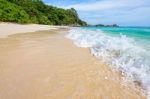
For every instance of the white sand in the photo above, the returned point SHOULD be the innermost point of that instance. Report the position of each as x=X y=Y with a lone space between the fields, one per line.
x=12 y=28
x=49 y=66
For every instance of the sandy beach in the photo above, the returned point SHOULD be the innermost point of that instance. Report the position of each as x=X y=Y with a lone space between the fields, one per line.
x=7 y=28
x=46 y=65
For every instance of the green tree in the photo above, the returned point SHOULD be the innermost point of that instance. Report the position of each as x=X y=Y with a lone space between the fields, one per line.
x=35 y=11
x=12 y=12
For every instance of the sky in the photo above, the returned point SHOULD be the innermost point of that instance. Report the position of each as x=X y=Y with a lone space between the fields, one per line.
x=121 y=12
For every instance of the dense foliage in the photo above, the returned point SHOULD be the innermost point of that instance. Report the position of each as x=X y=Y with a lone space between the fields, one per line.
x=35 y=11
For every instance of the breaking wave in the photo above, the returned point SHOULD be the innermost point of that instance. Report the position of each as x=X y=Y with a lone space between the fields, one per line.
x=120 y=52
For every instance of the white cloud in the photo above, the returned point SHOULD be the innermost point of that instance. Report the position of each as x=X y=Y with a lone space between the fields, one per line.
x=109 y=5
x=122 y=12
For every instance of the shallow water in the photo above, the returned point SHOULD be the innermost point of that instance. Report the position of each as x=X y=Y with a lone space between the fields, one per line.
x=126 y=49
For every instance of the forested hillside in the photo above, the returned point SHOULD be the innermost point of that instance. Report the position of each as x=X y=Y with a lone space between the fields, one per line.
x=35 y=11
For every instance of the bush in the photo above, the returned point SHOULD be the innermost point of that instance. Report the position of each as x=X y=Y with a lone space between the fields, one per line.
x=13 y=13
x=35 y=11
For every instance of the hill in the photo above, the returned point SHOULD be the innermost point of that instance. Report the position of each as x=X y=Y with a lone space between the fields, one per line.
x=35 y=11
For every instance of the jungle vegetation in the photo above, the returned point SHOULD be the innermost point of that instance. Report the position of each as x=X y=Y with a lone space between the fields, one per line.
x=35 y=11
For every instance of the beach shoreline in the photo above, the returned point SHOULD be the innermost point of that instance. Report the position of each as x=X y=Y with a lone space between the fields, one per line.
x=46 y=65
x=7 y=28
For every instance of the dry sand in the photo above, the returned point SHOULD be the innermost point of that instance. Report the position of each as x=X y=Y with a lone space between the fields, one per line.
x=45 y=65
x=12 y=28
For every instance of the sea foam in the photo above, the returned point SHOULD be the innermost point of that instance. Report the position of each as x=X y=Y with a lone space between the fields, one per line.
x=121 y=53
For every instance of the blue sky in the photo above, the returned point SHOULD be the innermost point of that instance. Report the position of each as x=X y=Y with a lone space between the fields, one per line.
x=122 y=12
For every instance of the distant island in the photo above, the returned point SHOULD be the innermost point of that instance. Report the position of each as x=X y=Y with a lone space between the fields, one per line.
x=35 y=11
x=103 y=25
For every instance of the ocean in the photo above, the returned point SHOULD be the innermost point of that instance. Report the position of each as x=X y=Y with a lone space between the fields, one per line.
x=125 y=49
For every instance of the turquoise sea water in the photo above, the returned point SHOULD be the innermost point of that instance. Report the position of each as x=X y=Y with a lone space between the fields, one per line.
x=126 y=49
x=140 y=34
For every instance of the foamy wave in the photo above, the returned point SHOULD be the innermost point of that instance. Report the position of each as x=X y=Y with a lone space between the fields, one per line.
x=122 y=53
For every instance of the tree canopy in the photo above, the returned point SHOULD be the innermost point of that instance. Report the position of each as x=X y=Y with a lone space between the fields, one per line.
x=35 y=11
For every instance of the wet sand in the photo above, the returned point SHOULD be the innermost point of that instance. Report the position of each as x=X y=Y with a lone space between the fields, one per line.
x=46 y=65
